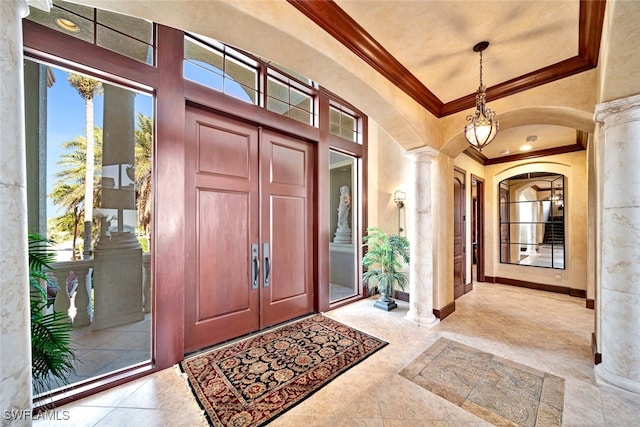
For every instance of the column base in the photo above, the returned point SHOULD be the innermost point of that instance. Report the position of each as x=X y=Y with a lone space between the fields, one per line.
x=428 y=321
x=605 y=376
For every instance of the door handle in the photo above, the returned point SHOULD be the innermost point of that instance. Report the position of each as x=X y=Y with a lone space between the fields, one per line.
x=255 y=265
x=267 y=265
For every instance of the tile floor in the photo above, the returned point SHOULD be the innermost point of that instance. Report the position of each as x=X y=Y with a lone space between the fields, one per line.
x=110 y=349
x=546 y=331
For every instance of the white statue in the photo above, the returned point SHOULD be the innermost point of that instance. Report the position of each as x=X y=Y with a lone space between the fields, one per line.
x=343 y=232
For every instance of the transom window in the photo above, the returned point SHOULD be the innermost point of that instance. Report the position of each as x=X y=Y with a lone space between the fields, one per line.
x=127 y=35
x=222 y=68
x=287 y=97
x=343 y=123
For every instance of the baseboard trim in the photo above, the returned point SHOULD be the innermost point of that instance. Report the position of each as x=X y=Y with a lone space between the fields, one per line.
x=591 y=303
x=580 y=293
x=440 y=314
x=468 y=287
x=445 y=311
x=597 y=357
x=401 y=295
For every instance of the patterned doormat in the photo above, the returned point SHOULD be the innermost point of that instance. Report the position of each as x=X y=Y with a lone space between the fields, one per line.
x=502 y=392
x=249 y=382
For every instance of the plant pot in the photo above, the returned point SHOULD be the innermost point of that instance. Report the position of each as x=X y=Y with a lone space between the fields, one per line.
x=385 y=303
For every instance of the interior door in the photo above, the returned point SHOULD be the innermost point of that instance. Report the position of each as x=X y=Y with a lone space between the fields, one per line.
x=222 y=226
x=286 y=227
x=459 y=266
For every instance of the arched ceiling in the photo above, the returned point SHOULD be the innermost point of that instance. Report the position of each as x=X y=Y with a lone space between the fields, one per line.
x=409 y=65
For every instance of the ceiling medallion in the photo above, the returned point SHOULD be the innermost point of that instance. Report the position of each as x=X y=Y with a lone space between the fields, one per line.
x=483 y=125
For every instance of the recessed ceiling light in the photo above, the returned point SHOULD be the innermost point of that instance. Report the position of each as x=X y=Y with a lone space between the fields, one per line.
x=526 y=147
x=504 y=152
x=67 y=25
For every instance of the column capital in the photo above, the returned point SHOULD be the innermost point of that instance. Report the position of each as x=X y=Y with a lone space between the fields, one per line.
x=421 y=153
x=618 y=111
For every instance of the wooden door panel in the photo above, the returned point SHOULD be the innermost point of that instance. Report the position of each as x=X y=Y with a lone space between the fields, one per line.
x=223 y=151
x=288 y=249
x=221 y=222
x=288 y=165
x=223 y=285
x=287 y=226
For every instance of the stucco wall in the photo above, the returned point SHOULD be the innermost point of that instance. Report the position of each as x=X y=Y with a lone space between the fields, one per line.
x=573 y=166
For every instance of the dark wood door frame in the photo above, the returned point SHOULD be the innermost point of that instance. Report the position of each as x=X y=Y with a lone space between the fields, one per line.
x=459 y=233
x=480 y=187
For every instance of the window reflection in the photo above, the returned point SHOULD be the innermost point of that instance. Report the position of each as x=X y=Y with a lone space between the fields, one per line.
x=342 y=226
x=532 y=220
x=98 y=144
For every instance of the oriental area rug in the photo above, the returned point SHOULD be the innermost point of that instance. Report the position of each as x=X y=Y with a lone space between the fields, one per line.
x=252 y=381
x=497 y=390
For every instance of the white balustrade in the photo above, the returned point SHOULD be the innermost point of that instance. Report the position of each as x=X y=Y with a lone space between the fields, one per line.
x=75 y=277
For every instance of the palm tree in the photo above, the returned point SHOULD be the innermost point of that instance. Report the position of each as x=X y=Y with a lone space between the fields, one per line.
x=71 y=198
x=144 y=153
x=384 y=261
x=87 y=88
x=70 y=189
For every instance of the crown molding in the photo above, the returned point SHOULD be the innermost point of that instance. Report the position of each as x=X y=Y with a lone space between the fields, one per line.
x=330 y=17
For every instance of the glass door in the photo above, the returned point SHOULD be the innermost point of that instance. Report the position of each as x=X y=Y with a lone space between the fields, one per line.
x=343 y=226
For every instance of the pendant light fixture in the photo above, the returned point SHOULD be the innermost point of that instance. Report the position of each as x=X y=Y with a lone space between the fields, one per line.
x=483 y=125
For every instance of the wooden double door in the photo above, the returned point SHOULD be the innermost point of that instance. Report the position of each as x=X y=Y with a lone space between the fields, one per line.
x=249 y=222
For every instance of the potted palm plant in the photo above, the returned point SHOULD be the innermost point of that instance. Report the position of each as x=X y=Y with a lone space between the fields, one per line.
x=52 y=356
x=385 y=256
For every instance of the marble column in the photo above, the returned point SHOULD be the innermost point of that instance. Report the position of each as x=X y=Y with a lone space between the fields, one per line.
x=421 y=241
x=619 y=303
x=15 y=343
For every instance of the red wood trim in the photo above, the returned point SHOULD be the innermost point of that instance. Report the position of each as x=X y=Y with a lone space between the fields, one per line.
x=535 y=154
x=480 y=277
x=401 y=295
x=579 y=293
x=169 y=193
x=335 y=21
x=364 y=215
x=591 y=23
x=468 y=287
x=445 y=311
x=540 y=77
x=597 y=357
x=218 y=102
x=330 y=17
x=476 y=155
x=91 y=386
x=323 y=276
x=60 y=49
x=591 y=304
x=582 y=138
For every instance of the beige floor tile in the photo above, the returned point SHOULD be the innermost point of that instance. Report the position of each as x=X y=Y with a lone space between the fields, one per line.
x=544 y=331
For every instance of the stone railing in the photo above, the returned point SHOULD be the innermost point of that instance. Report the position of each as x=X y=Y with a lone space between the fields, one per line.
x=74 y=276
x=74 y=284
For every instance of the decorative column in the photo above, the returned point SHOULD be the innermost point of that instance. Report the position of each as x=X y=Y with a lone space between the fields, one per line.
x=421 y=241
x=118 y=289
x=15 y=343
x=619 y=276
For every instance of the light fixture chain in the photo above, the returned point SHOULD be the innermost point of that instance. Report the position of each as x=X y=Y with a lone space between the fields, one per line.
x=480 y=68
